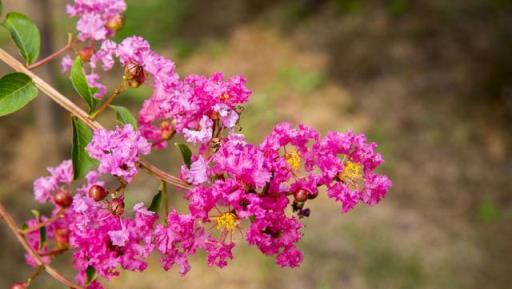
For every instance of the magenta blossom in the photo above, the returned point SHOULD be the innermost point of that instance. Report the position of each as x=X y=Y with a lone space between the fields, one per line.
x=118 y=150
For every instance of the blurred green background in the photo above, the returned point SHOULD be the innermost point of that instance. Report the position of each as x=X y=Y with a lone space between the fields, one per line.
x=430 y=81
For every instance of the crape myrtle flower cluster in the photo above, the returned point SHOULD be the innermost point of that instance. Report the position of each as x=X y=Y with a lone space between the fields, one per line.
x=238 y=191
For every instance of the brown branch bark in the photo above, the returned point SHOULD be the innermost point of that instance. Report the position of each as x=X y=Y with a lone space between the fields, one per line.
x=82 y=115
x=39 y=261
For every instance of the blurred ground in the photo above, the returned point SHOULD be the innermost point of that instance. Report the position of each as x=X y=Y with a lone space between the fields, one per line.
x=430 y=81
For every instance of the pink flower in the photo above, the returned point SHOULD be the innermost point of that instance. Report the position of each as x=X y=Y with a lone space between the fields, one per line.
x=198 y=172
x=119 y=237
x=66 y=63
x=93 y=80
x=228 y=116
x=352 y=179
x=59 y=175
x=203 y=135
x=179 y=240
x=290 y=257
x=218 y=252
x=133 y=50
x=91 y=26
x=274 y=233
x=242 y=161
x=118 y=151
x=105 y=55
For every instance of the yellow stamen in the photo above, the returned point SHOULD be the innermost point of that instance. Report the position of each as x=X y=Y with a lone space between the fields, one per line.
x=293 y=159
x=226 y=222
x=224 y=97
x=352 y=174
x=166 y=129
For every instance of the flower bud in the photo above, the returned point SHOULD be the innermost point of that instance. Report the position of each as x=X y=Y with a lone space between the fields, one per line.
x=19 y=285
x=134 y=75
x=312 y=195
x=297 y=206
x=62 y=238
x=117 y=206
x=304 y=213
x=86 y=53
x=97 y=193
x=214 y=115
x=300 y=195
x=115 y=23
x=63 y=199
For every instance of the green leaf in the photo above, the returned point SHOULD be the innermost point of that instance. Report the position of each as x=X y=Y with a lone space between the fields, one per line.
x=90 y=275
x=156 y=202
x=185 y=153
x=42 y=230
x=25 y=34
x=81 y=86
x=16 y=91
x=124 y=116
x=1 y=7
x=82 y=162
x=36 y=214
x=42 y=237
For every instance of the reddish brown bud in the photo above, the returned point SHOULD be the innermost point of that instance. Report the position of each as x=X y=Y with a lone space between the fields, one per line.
x=86 y=53
x=300 y=195
x=117 y=206
x=134 y=75
x=62 y=238
x=63 y=199
x=19 y=285
x=97 y=193
x=115 y=23
x=312 y=195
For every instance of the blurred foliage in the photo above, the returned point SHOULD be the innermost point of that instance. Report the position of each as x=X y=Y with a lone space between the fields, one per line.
x=158 y=22
x=488 y=211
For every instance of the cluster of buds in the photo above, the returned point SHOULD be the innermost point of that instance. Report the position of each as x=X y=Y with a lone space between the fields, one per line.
x=98 y=193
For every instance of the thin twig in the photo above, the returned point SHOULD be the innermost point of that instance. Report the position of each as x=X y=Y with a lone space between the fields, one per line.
x=53 y=55
x=53 y=252
x=109 y=100
x=34 y=275
x=38 y=260
x=83 y=116
x=44 y=223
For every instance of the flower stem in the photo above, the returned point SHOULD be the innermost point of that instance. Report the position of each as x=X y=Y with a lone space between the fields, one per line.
x=109 y=100
x=53 y=252
x=83 y=116
x=32 y=253
x=53 y=55
x=43 y=224
x=34 y=275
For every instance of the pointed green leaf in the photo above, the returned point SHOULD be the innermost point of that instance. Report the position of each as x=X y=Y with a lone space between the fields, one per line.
x=82 y=162
x=185 y=153
x=25 y=34
x=36 y=214
x=81 y=86
x=16 y=91
x=156 y=202
x=124 y=116
x=90 y=275
x=42 y=230
x=42 y=237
